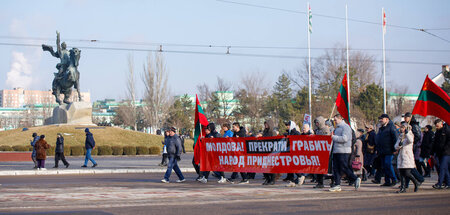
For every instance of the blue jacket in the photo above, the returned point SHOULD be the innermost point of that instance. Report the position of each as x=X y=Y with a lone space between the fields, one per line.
x=228 y=133
x=90 y=142
x=33 y=143
x=173 y=145
x=386 y=138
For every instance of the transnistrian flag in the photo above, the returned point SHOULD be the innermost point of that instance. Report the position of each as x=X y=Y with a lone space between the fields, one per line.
x=342 y=100
x=309 y=19
x=199 y=121
x=433 y=100
x=384 y=22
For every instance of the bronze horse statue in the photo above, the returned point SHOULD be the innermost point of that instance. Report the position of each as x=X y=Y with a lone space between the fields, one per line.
x=63 y=84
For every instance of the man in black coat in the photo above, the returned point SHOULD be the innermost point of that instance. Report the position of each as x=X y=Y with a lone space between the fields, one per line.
x=59 y=151
x=441 y=148
x=425 y=149
x=210 y=132
x=239 y=131
x=386 y=138
x=174 y=150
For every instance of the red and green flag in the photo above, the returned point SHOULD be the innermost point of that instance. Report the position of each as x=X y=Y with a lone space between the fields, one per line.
x=200 y=123
x=433 y=100
x=342 y=100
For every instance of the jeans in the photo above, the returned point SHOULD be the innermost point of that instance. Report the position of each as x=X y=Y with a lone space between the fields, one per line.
x=41 y=163
x=340 y=165
x=389 y=174
x=173 y=165
x=444 y=162
x=34 y=161
x=89 y=157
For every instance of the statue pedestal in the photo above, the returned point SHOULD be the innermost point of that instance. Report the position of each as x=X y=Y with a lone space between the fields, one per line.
x=79 y=113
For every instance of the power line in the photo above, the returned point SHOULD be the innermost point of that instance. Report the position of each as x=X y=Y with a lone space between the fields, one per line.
x=215 y=46
x=215 y=53
x=340 y=18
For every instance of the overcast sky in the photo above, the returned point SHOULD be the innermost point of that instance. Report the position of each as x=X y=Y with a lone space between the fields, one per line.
x=217 y=23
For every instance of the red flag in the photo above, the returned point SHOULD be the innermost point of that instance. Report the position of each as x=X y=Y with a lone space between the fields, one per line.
x=342 y=100
x=199 y=132
x=433 y=101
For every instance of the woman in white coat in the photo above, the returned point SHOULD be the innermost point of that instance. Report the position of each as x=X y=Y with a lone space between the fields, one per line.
x=405 y=159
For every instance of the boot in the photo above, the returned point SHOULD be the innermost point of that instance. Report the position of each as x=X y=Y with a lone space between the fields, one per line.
x=416 y=184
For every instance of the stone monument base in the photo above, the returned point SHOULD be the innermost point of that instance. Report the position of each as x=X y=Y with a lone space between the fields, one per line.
x=76 y=113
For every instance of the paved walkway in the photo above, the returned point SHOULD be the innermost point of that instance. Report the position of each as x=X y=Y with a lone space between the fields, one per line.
x=106 y=165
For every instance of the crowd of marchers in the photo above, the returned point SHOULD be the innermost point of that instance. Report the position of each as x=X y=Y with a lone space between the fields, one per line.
x=400 y=152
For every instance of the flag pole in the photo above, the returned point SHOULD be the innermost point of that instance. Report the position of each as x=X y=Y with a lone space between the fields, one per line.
x=309 y=56
x=384 y=61
x=348 y=64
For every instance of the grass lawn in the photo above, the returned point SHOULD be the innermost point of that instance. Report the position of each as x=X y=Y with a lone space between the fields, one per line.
x=74 y=135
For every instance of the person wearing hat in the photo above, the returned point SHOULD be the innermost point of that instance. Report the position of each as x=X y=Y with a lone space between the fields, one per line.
x=174 y=150
x=33 y=154
x=59 y=151
x=441 y=148
x=89 y=144
x=369 y=150
x=405 y=159
x=41 y=153
x=386 y=138
x=425 y=149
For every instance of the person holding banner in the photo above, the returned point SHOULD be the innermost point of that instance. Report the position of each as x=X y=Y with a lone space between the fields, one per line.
x=291 y=129
x=342 y=140
x=174 y=150
x=269 y=178
x=321 y=129
x=210 y=132
x=239 y=131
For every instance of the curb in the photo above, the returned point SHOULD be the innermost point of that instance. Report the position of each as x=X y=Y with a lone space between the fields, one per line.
x=85 y=171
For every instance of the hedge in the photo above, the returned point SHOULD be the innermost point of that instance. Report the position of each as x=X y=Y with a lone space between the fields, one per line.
x=51 y=150
x=117 y=150
x=66 y=150
x=77 y=150
x=154 y=150
x=30 y=148
x=6 y=148
x=105 y=150
x=20 y=148
x=142 y=150
x=129 y=150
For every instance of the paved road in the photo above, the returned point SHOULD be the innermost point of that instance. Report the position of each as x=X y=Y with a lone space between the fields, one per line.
x=145 y=194
x=104 y=162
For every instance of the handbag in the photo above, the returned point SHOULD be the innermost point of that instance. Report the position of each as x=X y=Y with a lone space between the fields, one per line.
x=356 y=164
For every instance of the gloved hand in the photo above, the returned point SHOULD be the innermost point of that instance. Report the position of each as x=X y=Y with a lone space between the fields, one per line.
x=178 y=158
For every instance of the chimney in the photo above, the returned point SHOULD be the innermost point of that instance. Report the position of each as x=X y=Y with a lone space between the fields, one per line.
x=445 y=68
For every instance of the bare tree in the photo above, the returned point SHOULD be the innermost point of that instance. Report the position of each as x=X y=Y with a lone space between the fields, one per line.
x=155 y=78
x=131 y=92
x=399 y=105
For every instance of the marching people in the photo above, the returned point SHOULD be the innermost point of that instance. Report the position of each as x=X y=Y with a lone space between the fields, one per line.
x=238 y=131
x=89 y=144
x=164 y=152
x=405 y=159
x=291 y=129
x=33 y=154
x=425 y=150
x=369 y=151
x=41 y=153
x=300 y=179
x=210 y=132
x=59 y=151
x=321 y=129
x=342 y=141
x=441 y=148
x=226 y=130
x=174 y=150
x=357 y=157
x=386 y=138
x=269 y=178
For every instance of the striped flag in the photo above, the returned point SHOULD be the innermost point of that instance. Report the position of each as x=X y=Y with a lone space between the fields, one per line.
x=342 y=100
x=199 y=132
x=384 y=22
x=433 y=100
x=309 y=19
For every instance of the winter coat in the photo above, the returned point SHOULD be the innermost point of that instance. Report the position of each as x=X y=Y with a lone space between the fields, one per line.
x=268 y=132
x=342 y=138
x=441 y=143
x=41 y=147
x=386 y=138
x=173 y=145
x=213 y=134
x=228 y=133
x=33 y=143
x=322 y=129
x=90 y=142
x=405 y=158
x=357 y=151
x=427 y=144
x=369 y=143
x=240 y=133
x=59 y=145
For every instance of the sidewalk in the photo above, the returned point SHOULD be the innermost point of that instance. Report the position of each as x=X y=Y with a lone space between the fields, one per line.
x=106 y=165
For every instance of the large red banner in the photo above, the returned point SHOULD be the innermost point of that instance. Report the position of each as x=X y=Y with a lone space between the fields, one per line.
x=281 y=154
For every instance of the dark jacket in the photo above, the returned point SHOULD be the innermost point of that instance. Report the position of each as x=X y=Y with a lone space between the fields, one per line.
x=240 y=133
x=292 y=132
x=369 y=143
x=59 y=145
x=41 y=147
x=33 y=143
x=268 y=132
x=415 y=129
x=173 y=145
x=441 y=143
x=386 y=138
x=213 y=133
x=90 y=142
x=427 y=144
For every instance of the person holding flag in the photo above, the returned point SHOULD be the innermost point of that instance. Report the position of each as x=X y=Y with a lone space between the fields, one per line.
x=200 y=123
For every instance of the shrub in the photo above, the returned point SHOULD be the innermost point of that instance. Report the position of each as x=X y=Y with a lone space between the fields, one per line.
x=51 y=151
x=94 y=151
x=20 y=148
x=6 y=148
x=105 y=150
x=66 y=150
x=154 y=150
x=129 y=150
x=117 y=150
x=30 y=148
x=77 y=150
x=142 y=150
